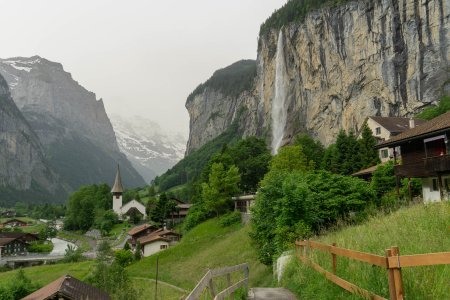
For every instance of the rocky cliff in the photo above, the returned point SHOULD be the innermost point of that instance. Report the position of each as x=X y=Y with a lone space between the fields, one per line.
x=338 y=66
x=72 y=125
x=23 y=168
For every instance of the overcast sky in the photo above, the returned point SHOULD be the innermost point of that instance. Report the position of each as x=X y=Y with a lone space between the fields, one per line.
x=141 y=57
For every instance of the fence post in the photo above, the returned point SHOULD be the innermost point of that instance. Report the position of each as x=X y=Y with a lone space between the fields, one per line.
x=397 y=274
x=333 y=257
x=392 y=292
x=212 y=290
x=229 y=284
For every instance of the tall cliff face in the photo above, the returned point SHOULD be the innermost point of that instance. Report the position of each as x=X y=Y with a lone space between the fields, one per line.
x=72 y=125
x=23 y=168
x=342 y=64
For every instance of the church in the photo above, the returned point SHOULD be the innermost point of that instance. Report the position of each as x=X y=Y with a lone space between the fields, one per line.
x=132 y=207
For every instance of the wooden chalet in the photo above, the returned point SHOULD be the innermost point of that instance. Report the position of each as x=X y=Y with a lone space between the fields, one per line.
x=68 y=288
x=23 y=236
x=140 y=231
x=425 y=154
x=158 y=240
x=181 y=211
x=244 y=203
x=12 y=246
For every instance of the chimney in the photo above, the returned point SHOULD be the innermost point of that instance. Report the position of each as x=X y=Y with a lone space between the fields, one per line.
x=411 y=123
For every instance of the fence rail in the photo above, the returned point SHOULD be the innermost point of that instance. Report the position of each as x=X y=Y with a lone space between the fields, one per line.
x=207 y=282
x=392 y=261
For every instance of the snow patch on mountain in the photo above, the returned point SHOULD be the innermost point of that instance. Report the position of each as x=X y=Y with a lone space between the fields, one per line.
x=151 y=150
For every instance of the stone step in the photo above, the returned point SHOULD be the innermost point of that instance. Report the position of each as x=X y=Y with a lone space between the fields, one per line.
x=270 y=293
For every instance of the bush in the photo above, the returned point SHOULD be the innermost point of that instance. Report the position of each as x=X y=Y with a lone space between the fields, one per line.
x=298 y=204
x=230 y=219
x=73 y=254
x=40 y=247
x=123 y=257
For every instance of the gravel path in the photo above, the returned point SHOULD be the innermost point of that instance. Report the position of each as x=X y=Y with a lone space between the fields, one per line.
x=270 y=293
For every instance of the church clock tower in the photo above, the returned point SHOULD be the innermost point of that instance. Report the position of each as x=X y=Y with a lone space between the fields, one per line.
x=117 y=192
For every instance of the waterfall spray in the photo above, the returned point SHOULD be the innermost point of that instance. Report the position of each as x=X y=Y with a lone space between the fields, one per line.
x=279 y=109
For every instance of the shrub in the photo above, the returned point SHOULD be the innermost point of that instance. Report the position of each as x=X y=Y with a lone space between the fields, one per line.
x=230 y=219
x=123 y=257
x=40 y=247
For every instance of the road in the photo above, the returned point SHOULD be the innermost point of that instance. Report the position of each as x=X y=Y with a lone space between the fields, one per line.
x=60 y=246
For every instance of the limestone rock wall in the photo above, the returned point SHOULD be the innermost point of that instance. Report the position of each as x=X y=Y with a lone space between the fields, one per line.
x=369 y=57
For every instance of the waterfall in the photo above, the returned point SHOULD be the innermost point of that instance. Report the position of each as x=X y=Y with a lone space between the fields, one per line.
x=279 y=109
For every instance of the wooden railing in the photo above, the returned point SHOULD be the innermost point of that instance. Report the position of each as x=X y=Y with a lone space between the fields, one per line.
x=207 y=282
x=392 y=261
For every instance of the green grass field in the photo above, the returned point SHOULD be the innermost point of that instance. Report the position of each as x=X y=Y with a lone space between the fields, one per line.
x=415 y=230
x=206 y=246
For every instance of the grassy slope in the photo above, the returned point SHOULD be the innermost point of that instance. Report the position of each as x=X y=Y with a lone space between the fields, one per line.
x=206 y=246
x=415 y=230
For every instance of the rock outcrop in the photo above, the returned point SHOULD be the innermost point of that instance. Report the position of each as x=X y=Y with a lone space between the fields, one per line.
x=72 y=125
x=370 y=57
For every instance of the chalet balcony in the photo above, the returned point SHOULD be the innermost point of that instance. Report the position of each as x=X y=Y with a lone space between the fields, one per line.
x=438 y=163
x=424 y=167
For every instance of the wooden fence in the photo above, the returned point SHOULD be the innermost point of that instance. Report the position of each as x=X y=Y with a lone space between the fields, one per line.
x=393 y=262
x=207 y=282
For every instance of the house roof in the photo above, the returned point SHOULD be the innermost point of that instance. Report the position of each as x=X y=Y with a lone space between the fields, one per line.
x=117 y=187
x=139 y=228
x=5 y=241
x=14 y=234
x=151 y=238
x=184 y=205
x=366 y=171
x=157 y=235
x=69 y=287
x=14 y=220
x=396 y=124
x=436 y=125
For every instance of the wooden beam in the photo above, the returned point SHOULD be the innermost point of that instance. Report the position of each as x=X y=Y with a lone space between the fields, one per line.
x=429 y=259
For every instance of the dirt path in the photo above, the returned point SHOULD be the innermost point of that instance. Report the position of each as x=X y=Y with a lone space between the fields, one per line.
x=270 y=293
x=163 y=283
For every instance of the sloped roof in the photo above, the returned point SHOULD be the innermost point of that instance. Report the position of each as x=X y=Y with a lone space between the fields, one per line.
x=117 y=187
x=396 y=124
x=14 y=220
x=16 y=234
x=5 y=241
x=366 y=171
x=151 y=238
x=436 y=125
x=140 y=228
x=69 y=287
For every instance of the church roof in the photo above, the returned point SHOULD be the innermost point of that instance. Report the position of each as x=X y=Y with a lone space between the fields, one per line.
x=117 y=188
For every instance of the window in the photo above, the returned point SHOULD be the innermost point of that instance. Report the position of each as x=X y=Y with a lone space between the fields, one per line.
x=447 y=184
x=163 y=247
x=378 y=130
x=384 y=153
x=435 y=186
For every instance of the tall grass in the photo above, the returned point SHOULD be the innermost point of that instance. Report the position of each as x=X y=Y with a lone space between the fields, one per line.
x=415 y=230
x=207 y=246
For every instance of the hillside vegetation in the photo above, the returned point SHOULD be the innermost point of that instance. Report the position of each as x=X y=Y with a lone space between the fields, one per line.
x=230 y=81
x=207 y=246
x=415 y=230
x=294 y=11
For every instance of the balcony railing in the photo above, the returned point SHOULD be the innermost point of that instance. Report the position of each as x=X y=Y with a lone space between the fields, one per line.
x=438 y=163
x=425 y=167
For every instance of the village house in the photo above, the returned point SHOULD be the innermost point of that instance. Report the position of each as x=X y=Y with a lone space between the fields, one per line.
x=68 y=288
x=425 y=153
x=15 y=243
x=132 y=207
x=158 y=240
x=12 y=246
x=140 y=231
x=181 y=211
x=384 y=128
x=14 y=223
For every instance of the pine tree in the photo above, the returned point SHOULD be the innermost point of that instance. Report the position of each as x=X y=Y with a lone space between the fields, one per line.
x=368 y=154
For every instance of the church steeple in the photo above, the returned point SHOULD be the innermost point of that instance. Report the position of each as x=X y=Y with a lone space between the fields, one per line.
x=117 y=188
x=117 y=192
